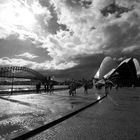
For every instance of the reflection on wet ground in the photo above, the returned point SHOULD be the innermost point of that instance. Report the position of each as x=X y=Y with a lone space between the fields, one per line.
x=16 y=101
x=22 y=113
x=116 y=117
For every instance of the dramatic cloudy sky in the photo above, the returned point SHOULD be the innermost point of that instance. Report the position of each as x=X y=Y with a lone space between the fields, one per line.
x=68 y=38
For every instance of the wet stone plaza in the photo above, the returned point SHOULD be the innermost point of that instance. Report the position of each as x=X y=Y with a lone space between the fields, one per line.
x=21 y=113
x=115 y=117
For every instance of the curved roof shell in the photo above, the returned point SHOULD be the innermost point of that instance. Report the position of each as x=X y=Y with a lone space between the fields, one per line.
x=137 y=65
x=97 y=74
x=127 y=68
x=106 y=66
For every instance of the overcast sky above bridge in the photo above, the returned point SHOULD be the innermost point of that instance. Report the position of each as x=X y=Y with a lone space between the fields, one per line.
x=68 y=37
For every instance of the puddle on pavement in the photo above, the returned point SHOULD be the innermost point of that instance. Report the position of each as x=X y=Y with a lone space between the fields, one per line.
x=12 y=128
x=8 y=129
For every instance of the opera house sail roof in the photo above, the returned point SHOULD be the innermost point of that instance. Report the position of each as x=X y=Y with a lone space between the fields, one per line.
x=106 y=66
x=128 y=68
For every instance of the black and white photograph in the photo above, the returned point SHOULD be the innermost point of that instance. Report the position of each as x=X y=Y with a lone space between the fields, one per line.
x=69 y=69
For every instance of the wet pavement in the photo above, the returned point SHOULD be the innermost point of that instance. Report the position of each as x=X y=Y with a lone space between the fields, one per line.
x=24 y=112
x=116 y=117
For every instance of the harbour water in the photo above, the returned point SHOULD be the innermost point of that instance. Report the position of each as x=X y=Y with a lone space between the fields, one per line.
x=7 y=88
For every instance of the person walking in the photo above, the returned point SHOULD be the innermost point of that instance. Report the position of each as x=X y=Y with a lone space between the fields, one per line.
x=72 y=89
x=117 y=87
x=86 y=88
x=106 y=89
x=51 y=87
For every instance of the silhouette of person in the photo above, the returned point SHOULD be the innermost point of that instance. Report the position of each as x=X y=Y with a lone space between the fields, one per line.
x=106 y=89
x=45 y=88
x=51 y=87
x=72 y=89
x=86 y=88
x=39 y=87
x=36 y=88
x=48 y=87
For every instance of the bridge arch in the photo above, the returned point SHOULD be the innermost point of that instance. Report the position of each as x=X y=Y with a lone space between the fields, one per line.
x=11 y=69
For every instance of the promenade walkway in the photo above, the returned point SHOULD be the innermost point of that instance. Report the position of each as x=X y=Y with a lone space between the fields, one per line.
x=116 y=117
x=21 y=113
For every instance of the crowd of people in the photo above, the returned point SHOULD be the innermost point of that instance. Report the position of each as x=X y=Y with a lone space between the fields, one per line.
x=48 y=87
x=74 y=85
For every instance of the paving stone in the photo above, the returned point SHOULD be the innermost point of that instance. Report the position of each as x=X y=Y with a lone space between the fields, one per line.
x=117 y=117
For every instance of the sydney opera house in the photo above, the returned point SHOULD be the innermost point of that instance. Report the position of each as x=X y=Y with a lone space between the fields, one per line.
x=127 y=73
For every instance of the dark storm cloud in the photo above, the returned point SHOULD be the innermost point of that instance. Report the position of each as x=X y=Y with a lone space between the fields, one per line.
x=122 y=37
x=71 y=33
x=133 y=55
x=12 y=46
x=79 y=3
x=88 y=65
x=113 y=35
x=52 y=25
x=30 y=23
x=86 y=68
x=113 y=8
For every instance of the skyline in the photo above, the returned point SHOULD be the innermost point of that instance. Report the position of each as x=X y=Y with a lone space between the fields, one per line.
x=68 y=38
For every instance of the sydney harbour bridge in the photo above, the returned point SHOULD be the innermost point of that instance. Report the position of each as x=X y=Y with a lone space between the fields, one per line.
x=22 y=73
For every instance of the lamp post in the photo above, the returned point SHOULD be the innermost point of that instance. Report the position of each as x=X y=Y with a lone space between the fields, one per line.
x=12 y=81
